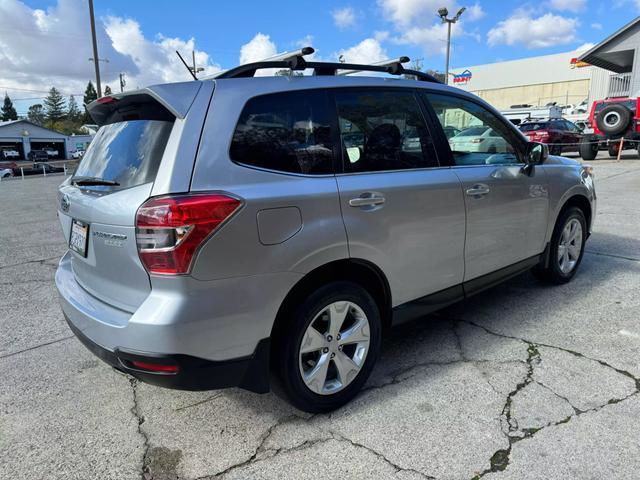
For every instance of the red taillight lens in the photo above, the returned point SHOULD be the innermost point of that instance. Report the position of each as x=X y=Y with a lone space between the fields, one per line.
x=155 y=367
x=169 y=230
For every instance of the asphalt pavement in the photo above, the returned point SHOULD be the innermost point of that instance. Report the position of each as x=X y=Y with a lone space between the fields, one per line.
x=524 y=381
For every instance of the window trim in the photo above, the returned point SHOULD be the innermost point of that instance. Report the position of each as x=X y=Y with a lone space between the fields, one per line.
x=520 y=147
x=342 y=171
x=329 y=110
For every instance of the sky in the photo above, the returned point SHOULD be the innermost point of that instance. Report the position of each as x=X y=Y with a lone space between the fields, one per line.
x=45 y=43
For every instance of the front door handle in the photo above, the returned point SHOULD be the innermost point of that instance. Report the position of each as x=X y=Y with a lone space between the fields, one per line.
x=477 y=190
x=367 y=199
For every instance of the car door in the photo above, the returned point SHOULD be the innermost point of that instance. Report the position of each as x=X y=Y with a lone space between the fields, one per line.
x=402 y=211
x=574 y=135
x=506 y=205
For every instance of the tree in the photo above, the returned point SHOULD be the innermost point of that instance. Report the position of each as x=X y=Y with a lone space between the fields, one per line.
x=107 y=90
x=8 y=111
x=73 y=112
x=54 y=107
x=90 y=95
x=36 y=114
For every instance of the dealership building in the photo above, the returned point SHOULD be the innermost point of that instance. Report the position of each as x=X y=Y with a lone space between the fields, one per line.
x=570 y=78
x=23 y=136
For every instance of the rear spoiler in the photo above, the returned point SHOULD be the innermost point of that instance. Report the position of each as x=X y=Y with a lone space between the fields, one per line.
x=169 y=98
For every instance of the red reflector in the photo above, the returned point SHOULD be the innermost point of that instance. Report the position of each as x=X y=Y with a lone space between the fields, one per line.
x=169 y=230
x=106 y=100
x=155 y=367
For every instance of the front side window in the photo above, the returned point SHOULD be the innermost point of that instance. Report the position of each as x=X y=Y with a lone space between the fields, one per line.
x=483 y=139
x=383 y=130
x=288 y=132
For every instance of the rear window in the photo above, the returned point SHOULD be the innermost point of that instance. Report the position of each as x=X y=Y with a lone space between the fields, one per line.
x=288 y=132
x=532 y=127
x=630 y=104
x=126 y=152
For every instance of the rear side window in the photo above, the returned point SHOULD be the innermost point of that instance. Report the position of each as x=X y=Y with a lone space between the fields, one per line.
x=288 y=132
x=383 y=130
x=126 y=152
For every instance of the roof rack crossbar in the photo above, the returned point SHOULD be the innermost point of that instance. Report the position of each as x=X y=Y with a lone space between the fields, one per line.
x=323 y=68
x=396 y=63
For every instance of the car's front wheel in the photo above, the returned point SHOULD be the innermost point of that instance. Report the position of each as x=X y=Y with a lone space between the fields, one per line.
x=328 y=347
x=566 y=248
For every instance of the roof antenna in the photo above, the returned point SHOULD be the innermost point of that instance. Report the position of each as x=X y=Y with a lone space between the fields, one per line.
x=187 y=66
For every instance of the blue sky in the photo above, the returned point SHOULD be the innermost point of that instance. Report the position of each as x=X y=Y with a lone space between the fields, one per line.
x=46 y=42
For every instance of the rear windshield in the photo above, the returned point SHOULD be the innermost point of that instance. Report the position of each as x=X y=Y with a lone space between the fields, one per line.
x=126 y=152
x=532 y=127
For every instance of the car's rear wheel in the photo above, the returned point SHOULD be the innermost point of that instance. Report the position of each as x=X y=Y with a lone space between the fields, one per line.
x=555 y=149
x=613 y=149
x=566 y=248
x=328 y=348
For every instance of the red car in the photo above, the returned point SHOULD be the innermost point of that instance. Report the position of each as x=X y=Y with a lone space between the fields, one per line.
x=613 y=120
x=561 y=135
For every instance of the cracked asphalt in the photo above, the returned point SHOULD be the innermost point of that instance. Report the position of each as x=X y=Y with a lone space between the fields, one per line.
x=525 y=381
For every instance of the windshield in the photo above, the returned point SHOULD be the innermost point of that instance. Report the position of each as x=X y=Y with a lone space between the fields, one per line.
x=128 y=153
x=472 y=132
x=532 y=127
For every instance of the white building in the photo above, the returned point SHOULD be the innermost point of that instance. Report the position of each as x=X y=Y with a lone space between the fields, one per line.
x=537 y=81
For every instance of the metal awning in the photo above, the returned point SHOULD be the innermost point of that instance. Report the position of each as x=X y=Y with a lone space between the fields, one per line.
x=603 y=56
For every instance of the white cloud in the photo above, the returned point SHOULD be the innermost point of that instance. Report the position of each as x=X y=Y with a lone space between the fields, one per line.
x=432 y=40
x=156 y=59
x=405 y=12
x=542 y=32
x=568 y=5
x=44 y=48
x=258 y=48
x=367 y=51
x=474 y=12
x=344 y=17
x=596 y=26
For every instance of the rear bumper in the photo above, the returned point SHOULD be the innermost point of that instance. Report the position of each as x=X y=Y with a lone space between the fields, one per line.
x=217 y=331
x=193 y=373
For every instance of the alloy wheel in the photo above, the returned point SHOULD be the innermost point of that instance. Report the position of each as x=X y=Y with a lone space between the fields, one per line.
x=334 y=347
x=570 y=246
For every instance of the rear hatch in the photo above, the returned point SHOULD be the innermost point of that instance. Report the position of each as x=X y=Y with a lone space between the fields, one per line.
x=98 y=204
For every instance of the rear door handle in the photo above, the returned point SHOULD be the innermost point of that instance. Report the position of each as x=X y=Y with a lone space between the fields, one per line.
x=367 y=199
x=478 y=190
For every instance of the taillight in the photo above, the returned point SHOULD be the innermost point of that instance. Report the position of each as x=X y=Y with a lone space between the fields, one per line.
x=169 y=230
x=477 y=140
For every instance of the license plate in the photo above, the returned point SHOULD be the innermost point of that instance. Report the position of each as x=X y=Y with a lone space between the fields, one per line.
x=79 y=235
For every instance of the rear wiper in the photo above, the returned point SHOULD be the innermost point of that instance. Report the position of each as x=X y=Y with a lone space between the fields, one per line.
x=93 y=181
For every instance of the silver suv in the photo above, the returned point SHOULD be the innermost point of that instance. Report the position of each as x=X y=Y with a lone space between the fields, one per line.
x=261 y=232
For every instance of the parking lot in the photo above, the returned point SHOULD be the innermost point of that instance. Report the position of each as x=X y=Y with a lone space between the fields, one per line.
x=522 y=381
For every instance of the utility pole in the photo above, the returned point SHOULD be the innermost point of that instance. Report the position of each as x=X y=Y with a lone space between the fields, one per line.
x=96 y=60
x=195 y=69
x=442 y=13
x=123 y=82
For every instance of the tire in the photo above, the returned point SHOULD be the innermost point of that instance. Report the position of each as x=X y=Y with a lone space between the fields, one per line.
x=614 y=119
x=613 y=149
x=326 y=390
x=588 y=149
x=555 y=150
x=558 y=271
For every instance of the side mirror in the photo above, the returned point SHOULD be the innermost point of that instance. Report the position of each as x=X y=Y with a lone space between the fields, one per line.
x=537 y=153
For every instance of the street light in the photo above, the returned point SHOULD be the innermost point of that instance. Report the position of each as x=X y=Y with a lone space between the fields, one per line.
x=442 y=13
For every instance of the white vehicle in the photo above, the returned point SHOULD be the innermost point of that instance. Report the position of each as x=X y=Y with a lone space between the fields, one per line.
x=520 y=113
x=77 y=154
x=6 y=172
x=481 y=139
x=9 y=153
x=51 y=152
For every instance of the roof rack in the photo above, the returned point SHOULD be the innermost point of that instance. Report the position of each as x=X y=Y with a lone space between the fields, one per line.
x=384 y=63
x=295 y=61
